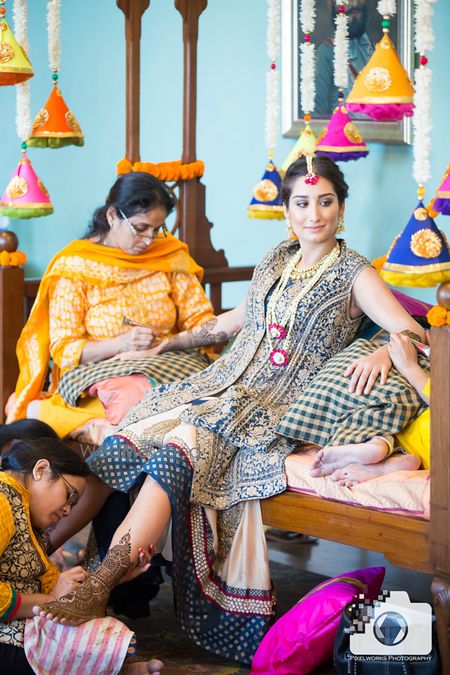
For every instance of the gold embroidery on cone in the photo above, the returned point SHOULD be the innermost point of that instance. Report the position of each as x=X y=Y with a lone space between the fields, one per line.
x=351 y=132
x=72 y=122
x=265 y=191
x=18 y=187
x=426 y=244
x=7 y=53
x=377 y=79
x=41 y=118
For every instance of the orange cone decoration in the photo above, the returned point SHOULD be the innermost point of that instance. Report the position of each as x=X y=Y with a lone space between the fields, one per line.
x=14 y=64
x=55 y=125
x=382 y=89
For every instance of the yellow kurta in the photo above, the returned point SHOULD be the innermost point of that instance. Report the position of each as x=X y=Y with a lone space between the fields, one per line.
x=84 y=295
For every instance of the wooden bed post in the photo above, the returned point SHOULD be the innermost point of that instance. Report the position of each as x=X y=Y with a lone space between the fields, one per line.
x=12 y=290
x=133 y=10
x=440 y=478
x=194 y=225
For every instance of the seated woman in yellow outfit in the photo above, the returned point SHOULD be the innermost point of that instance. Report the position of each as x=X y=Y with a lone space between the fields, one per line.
x=128 y=282
x=40 y=481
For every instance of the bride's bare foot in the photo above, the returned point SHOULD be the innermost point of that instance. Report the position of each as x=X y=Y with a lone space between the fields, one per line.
x=358 y=473
x=334 y=457
x=89 y=600
x=143 y=667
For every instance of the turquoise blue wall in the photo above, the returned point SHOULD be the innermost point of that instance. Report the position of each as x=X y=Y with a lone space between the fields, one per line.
x=231 y=101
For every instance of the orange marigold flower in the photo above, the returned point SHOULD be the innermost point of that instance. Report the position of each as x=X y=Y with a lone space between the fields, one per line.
x=4 y=259
x=124 y=166
x=437 y=316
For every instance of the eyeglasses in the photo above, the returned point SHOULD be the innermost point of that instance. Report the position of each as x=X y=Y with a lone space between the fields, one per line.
x=72 y=493
x=146 y=230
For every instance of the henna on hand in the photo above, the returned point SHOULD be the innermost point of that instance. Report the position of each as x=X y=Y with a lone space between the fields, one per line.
x=196 y=337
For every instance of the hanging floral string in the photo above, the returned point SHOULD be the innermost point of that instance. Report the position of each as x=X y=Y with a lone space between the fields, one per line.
x=23 y=114
x=341 y=49
x=307 y=17
x=54 y=36
x=273 y=76
x=423 y=41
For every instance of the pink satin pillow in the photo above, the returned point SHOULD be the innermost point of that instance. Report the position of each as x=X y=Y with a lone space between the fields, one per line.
x=303 y=638
x=119 y=394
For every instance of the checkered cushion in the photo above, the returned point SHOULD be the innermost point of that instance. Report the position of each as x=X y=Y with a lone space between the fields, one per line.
x=327 y=414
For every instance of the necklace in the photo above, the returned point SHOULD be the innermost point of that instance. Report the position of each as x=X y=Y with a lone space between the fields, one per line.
x=282 y=331
x=307 y=273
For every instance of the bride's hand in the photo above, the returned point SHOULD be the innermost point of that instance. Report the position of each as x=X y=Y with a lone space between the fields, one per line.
x=366 y=370
x=126 y=356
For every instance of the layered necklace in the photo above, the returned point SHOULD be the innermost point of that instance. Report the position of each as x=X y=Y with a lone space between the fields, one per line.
x=282 y=330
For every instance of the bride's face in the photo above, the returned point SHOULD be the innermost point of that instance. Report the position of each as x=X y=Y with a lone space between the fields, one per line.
x=314 y=210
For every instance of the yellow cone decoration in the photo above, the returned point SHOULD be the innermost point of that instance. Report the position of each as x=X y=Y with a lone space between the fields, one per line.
x=305 y=145
x=14 y=64
x=383 y=89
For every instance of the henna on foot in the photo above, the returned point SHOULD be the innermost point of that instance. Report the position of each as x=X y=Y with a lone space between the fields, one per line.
x=89 y=601
x=334 y=457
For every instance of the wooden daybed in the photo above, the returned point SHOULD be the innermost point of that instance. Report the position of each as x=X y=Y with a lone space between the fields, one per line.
x=407 y=541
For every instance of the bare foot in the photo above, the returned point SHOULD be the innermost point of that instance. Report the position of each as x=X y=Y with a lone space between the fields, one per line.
x=358 y=473
x=334 y=457
x=89 y=600
x=142 y=667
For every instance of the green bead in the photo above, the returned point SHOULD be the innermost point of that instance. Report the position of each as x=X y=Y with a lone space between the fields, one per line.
x=55 y=77
x=385 y=23
x=24 y=146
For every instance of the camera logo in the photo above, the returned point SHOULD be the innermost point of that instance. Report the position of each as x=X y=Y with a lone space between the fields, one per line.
x=391 y=625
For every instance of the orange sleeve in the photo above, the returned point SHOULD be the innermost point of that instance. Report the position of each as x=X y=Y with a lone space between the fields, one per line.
x=193 y=307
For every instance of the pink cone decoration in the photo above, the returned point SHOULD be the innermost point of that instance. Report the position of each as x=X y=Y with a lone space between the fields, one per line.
x=25 y=196
x=442 y=201
x=342 y=140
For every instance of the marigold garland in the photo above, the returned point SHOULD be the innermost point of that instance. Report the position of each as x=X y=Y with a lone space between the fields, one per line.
x=14 y=259
x=166 y=171
x=438 y=316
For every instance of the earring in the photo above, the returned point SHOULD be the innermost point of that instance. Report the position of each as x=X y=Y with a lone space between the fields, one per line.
x=289 y=229
x=340 y=224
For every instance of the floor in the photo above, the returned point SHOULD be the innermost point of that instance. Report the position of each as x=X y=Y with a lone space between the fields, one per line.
x=329 y=558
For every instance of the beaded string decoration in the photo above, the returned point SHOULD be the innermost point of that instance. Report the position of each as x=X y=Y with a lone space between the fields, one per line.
x=25 y=195
x=266 y=201
x=282 y=330
x=55 y=126
x=306 y=142
x=383 y=90
x=14 y=63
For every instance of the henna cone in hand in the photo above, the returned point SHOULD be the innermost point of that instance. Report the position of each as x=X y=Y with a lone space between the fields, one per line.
x=89 y=600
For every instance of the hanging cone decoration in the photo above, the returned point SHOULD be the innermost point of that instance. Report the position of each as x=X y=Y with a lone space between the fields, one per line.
x=25 y=196
x=55 y=125
x=14 y=63
x=342 y=140
x=266 y=202
x=305 y=145
x=420 y=255
x=441 y=203
x=383 y=90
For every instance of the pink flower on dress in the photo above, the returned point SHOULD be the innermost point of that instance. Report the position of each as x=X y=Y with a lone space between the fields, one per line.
x=276 y=331
x=279 y=358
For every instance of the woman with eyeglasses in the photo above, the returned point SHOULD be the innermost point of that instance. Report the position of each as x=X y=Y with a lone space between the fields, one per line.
x=111 y=295
x=40 y=481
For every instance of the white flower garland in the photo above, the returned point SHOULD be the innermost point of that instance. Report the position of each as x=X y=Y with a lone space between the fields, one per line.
x=341 y=47
x=54 y=34
x=385 y=7
x=423 y=29
x=23 y=111
x=307 y=77
x=422 y=126
x=307 y=17
x=272 y=77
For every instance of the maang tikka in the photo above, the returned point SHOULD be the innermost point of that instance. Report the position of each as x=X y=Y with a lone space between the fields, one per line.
x=311 y=178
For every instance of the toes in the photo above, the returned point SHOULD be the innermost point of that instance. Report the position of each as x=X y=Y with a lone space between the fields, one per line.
x=316 y=472
x=338 y=475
